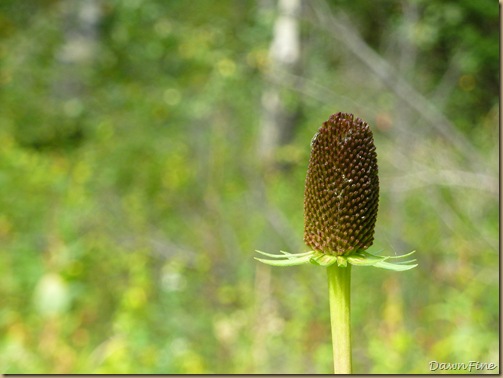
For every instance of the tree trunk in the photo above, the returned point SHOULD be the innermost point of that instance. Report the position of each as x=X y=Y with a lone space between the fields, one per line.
x=279 y=119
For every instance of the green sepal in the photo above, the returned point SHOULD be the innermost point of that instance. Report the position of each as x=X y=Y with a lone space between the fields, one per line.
x=363 y=258
x=395 y=267
x=357 y=258
x=285 y=254
x=286 y=259
x=290 y=262
x=322 y=259
x=342 y=261
x=402 y=256
x=367 y=258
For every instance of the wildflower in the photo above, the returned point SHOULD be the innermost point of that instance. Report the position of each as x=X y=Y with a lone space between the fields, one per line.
x=341 y=199
x=342 y=187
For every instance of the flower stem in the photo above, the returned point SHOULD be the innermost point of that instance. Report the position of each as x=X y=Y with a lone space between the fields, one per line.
x=339 y=290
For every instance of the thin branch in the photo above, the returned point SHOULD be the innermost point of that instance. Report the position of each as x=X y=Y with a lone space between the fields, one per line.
x=341 y=29
x=314 y=90
x=447 y=83
x=446 y=177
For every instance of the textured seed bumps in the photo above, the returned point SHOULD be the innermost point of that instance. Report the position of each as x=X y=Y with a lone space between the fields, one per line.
x=342 y=187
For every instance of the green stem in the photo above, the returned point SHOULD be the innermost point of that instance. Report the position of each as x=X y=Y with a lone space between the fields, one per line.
x=339 y=290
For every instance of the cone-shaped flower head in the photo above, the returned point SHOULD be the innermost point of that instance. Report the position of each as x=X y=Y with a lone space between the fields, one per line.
x=342 y=187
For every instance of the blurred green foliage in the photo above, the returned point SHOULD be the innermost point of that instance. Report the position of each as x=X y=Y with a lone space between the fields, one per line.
x=132 y=198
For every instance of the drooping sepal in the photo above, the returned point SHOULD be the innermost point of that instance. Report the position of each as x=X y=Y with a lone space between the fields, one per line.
x=356 y=258
x=364 y=258
x=285 y=258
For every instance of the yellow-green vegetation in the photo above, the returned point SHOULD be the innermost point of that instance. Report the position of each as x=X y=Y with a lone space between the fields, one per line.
x=132 y=196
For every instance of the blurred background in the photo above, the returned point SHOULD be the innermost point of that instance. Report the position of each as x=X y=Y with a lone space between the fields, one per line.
x=149 y=147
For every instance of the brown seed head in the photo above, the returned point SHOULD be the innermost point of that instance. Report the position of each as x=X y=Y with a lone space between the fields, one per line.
x=342 y=187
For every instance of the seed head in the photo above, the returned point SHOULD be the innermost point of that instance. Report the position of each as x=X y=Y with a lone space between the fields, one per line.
x=342 y=187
